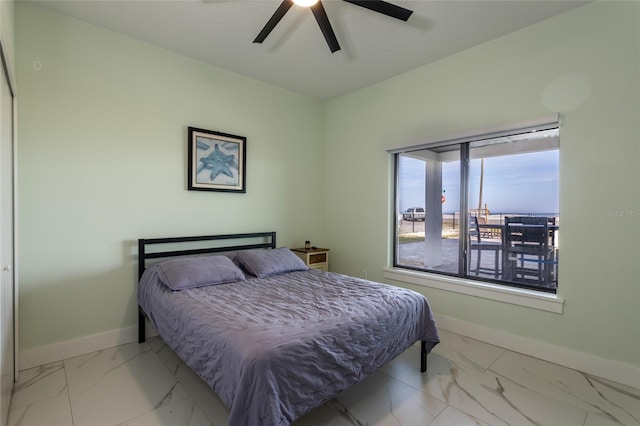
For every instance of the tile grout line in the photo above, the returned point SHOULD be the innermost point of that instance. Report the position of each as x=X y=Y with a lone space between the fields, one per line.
x=66 y=385
x=174 y=373
x=489 y=367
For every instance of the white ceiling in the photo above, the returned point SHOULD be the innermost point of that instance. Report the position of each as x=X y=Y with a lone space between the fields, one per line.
x=295 y=55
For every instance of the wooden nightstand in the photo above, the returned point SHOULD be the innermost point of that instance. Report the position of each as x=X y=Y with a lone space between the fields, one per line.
x=316 y=258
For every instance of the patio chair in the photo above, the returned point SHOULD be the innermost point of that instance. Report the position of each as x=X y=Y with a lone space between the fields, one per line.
x=528 y=256
x=476 y=243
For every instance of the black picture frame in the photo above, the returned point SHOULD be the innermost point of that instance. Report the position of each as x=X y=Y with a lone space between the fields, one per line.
x=216 y=161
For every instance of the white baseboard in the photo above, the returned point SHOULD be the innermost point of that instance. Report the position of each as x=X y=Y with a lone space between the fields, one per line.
x=608 y=369
x=612 y=370
x=71 y=348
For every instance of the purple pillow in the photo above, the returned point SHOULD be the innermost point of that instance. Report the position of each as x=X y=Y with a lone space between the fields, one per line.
x=192 y=272
x=263 y=263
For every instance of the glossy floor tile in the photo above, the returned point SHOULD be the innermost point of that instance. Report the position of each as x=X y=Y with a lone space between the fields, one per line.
x=468 y=383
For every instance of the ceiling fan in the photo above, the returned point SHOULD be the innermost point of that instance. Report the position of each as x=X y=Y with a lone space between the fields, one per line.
x=319 y=13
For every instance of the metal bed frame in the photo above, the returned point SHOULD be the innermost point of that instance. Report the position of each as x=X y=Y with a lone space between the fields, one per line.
x=144 y=255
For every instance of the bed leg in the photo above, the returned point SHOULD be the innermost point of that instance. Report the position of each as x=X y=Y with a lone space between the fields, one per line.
x=423 y=356
x=141 y=333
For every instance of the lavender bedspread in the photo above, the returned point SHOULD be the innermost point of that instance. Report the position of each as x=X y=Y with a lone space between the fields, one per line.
x=274 y=348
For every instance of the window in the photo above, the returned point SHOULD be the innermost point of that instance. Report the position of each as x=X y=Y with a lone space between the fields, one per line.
x=488 y=203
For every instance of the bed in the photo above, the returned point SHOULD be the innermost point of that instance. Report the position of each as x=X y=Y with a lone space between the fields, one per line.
x=273 y=338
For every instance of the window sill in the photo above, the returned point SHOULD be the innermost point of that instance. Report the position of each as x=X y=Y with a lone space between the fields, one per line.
x=515 y=296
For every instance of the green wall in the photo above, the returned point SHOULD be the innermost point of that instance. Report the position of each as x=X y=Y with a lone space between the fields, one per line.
x=583 y=64
x=102 y=162
x=102 y=153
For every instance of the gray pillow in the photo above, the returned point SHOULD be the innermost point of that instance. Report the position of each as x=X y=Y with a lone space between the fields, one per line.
x=263 y=263
x=192 y=272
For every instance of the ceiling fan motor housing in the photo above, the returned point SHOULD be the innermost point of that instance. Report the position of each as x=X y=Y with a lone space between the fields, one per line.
x=320 y=14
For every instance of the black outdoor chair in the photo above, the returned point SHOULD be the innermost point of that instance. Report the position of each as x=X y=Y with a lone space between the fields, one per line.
x=477 y=244
x=528 y=255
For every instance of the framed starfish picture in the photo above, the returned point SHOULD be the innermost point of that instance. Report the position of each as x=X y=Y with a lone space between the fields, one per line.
x=217 y=161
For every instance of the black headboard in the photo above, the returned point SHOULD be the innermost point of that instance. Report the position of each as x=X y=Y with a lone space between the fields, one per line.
x=248 y=241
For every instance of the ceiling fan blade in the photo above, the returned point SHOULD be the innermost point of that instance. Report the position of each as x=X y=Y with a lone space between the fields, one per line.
x=325 y=26
x=273 y=21
x=384 y=7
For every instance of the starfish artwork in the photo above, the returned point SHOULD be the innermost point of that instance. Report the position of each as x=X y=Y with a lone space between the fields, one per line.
x=218 y=162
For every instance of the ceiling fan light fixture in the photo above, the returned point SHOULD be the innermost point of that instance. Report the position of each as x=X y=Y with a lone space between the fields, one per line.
x=305 y=3
x=319 y=13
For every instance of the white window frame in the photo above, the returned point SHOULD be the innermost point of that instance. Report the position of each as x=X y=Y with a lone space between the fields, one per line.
x=503 y=293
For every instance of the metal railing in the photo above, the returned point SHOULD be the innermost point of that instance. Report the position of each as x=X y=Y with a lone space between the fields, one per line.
x=451 y=221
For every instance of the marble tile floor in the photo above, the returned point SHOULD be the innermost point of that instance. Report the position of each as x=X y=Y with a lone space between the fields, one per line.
x=468 y=383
